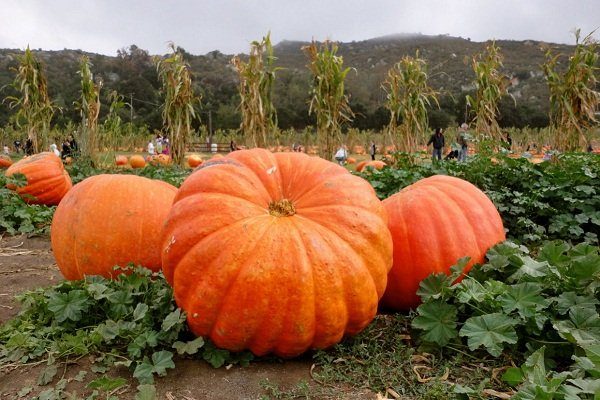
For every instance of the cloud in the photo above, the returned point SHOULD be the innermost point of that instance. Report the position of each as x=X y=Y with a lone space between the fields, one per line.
x=229 y=25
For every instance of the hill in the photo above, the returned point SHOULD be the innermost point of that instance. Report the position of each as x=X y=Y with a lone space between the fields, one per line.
x=132 y=73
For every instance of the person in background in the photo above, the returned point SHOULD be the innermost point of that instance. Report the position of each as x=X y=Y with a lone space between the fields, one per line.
x=54 y=149
x=17 y=144
x=166 y=146
x=589 y=148
x=462 y=142
x=438 y=141
x=66 y=149
x=150 y=148
x=6 y=150
x=73 y=145
x=373 y=151
x=159 y=144
x=341 y=155
x=28 y=147
x=232 y=145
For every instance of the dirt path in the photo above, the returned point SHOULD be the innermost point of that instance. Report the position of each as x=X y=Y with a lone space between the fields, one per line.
x=28 y=263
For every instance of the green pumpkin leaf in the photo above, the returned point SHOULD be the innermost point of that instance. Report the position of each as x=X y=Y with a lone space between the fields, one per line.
x=190 y=347
x=490 y=331
x=162 y=361
x=69 y=305
x=438 y=321
x=146 y=392
x=523 y=297
x=106 y=384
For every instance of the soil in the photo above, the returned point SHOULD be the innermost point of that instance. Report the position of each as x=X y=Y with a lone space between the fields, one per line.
x=28 y=263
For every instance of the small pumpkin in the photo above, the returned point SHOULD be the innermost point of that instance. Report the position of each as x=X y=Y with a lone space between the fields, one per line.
x=194 y=160
x=160 y=159
x=376 y=164
x=434 y=222
x=121 y=160
x=351 y=160
x=108 y=220
x=276 y=252
x=137 y=161
x=5 y=161
x=47 y=179
x=68 y=160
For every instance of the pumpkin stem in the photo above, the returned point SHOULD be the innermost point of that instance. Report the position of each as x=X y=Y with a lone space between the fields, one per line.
x=282 y=208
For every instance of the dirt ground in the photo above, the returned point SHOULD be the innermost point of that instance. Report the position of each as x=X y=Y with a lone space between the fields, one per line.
x=27 y=263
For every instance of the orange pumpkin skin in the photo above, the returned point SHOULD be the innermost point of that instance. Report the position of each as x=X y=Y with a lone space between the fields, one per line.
x=47 y=179
x=108 y=220
x=351 y=160
x=137 y=161
x=194 y=160
x=376 y=164
x=5 y=161
x=253 y=271
x=121 y=160
x=434 y=222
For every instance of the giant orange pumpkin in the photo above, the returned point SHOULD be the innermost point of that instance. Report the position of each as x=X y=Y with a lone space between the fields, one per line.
x=434 y=222
x=47 y=179
x=5 y=161
x=109 y=220
x=276 y=252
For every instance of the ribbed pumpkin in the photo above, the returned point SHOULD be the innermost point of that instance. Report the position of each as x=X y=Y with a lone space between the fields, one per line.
x=109 y=220
x=351 y=160
x=194 y=160
x=47 y=179
x=5 y=161
x=137 y=161
x=160 y=159
x=276 y=253
x=376 y=164
x=121 y=160
x=434 y=222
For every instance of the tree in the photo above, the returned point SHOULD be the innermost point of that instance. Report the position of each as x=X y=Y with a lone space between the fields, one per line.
x=257 y=75
x=35 y=110
x=408 y=97
x=178 y=108
x=490 y=85
x=328 y=100
x=89 y=108
x=573 y=95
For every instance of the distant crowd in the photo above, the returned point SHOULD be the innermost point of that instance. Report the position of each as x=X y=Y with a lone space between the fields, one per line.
x=159 y=145
x=69 y=148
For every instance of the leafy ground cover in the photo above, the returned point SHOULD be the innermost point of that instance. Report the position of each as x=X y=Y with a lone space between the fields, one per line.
x=558 y=199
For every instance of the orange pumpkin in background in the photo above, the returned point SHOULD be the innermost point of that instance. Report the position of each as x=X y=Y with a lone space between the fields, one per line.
x=376 y=164
x=194 y=160
x=5 y=161
x=351 y=160
x=108 y=220
x=434 y=222
x=276 y=252
x=121 y=160
x=47 y=179
x=137 y=161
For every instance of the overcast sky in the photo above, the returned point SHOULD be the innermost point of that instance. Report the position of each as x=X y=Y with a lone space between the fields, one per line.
x=200 y=26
